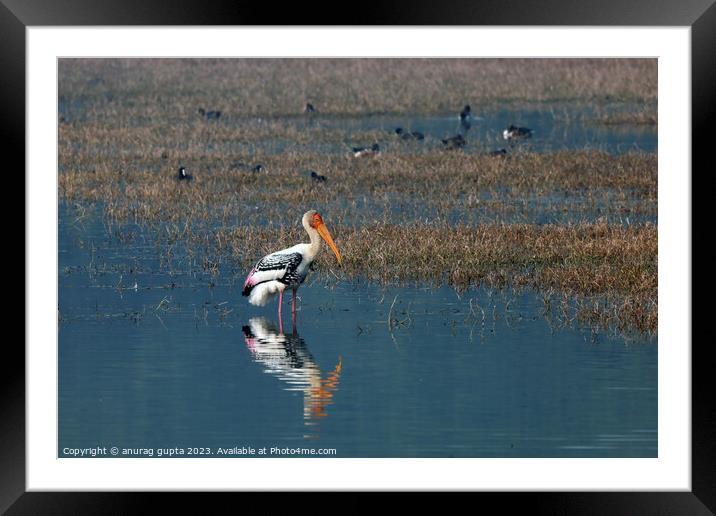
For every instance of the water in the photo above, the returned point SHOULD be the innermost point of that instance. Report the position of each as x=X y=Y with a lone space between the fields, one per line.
x=556 y=127
x=155 y=358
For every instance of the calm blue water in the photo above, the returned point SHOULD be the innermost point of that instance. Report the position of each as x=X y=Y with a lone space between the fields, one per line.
x=153 y=359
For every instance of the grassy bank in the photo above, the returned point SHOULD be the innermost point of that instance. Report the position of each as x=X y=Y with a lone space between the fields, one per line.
x=610 y=271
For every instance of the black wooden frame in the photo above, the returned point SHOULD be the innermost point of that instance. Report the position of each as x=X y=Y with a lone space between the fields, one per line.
x=16 y=15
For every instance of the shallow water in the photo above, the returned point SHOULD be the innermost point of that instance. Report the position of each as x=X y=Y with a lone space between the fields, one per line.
x=153 y=357
x=556 y=126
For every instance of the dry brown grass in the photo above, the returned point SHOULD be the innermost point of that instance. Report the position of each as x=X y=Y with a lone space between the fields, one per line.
x=270 y=87
x=397 y=187
x=629 y=118
x=610 y=270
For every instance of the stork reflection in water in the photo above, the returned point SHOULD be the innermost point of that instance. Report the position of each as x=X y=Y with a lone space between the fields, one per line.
x=287 y=357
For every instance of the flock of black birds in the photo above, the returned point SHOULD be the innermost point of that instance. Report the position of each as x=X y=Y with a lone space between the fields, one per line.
x=458 y=141
x=511 y=134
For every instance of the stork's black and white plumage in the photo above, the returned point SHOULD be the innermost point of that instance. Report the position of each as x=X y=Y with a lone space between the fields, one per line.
x=288 y=268
x=513 y=132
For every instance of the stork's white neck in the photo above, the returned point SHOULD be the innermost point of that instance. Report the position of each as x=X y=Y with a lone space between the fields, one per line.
x=315 y=245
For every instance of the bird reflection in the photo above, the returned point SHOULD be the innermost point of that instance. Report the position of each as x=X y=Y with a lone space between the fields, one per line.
x=287 y=357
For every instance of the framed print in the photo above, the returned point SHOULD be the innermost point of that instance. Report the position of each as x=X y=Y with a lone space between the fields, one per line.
x=418 y=258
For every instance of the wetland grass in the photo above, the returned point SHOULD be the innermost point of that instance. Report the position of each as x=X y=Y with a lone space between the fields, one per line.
x=417 y=213
x=609 y=271
x=166 y=88
x=429 y=185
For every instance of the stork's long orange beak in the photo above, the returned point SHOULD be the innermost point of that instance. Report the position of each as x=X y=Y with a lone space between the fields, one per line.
x=325 y=235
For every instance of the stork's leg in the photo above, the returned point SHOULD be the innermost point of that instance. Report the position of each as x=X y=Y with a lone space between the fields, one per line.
x=280 y=302
x=293 y=310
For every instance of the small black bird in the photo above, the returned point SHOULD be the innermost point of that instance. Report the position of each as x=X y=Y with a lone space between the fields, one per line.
x=498 y=153
x=183 y=176
x=245 y=167
x=210 y=115
x=466 y=118
x=309 y=109
x=405 y=135
x=316 y=177
x=456 y=142
x=514 y=132
x=360 y=152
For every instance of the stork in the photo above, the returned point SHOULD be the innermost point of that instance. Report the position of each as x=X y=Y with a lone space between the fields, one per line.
x=288 y=268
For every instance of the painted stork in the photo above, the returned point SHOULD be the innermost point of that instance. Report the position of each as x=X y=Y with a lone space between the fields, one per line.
x=288 y=268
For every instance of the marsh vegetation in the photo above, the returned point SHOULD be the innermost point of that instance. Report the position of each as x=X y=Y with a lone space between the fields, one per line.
x=573 y=223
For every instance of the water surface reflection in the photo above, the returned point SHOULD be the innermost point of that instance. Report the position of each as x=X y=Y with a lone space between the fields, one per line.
x=287 y=357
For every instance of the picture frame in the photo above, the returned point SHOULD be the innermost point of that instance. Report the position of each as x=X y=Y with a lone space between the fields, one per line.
x=16 y=16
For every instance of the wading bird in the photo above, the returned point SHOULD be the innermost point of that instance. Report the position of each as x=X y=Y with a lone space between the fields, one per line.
x=514 y=132
x=309 y=109
x=288 y=268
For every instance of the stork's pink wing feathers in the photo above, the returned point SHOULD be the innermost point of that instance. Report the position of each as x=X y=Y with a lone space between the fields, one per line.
x=271 y=267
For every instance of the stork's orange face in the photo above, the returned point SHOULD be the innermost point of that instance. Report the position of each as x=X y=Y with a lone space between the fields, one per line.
x=318 y=225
